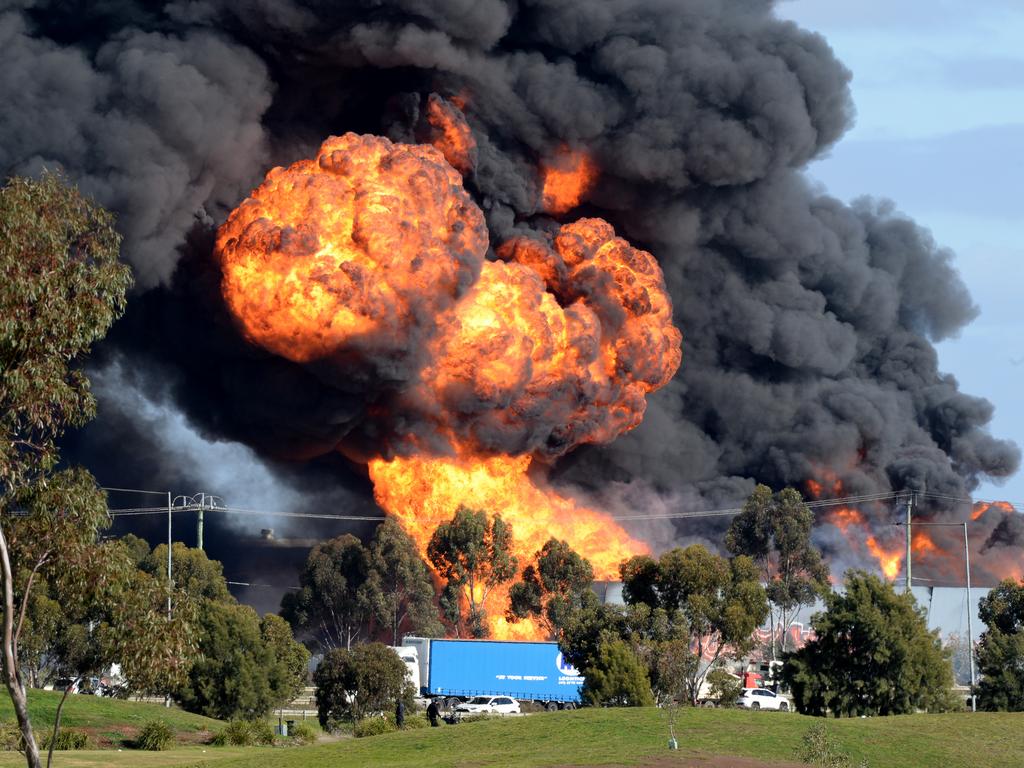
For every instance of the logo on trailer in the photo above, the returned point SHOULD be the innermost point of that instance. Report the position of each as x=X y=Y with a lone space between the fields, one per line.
x=565 y=667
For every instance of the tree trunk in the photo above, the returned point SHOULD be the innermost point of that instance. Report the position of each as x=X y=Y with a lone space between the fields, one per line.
x=56 y=721
x=10 y=662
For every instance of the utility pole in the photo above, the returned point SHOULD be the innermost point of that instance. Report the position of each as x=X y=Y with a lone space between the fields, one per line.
x=970 y=633
x=910 y=512
x=199 y=503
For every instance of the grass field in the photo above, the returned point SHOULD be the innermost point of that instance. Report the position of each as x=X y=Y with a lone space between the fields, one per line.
x=593 y=737
x=108 y=721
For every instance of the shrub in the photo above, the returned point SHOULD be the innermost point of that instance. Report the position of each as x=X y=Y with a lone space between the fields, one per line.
x=303 y=733
x=819 y=748
x=10 y=736
x=156 y=735
x=476 y=717
x=244 y=733
x=723 y=687
x=617 y=678
x=374 y=726
x=416 y=721
x=67 y=739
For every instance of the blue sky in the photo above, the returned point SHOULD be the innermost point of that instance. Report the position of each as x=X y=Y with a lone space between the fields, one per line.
x=939 y=91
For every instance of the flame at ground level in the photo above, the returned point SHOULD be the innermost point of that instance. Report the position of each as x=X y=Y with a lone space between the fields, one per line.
x=423 y=492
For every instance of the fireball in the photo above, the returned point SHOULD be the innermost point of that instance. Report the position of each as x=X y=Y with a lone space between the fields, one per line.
x=373 y=254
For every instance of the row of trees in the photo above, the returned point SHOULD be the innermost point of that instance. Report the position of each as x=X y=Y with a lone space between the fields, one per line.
x=350 y=592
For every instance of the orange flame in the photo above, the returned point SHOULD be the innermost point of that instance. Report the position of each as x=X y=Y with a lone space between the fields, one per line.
x=889 y=557
x=567 y=178
x=373 y=251
x=981 y=507
x=889 y=560
x=451 y=134
x=336 y=252
x=423 y=492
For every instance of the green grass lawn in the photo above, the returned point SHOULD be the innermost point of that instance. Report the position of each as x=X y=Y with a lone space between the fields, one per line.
x=107 y=720
x=593 y=737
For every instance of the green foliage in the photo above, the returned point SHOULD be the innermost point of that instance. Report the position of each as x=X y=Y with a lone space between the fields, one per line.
x=303 y=733
x=88 y=604
x=335 y=600
x=477 y=717
x=617 y=678
x=194 y=573
x=241 y=672
x=416 y=722
x=657 y=637
x=245 y=733
x=872 y=655
x=401 y=590
x=155 y=736
x=137 y=549
x=473 y=555
x=775 y=532
x=67 y=740
x=11 y=738
x=62 y=289
x=723 y=687
x=553 y=588
x=819 y=748
x=1000 y=651
x=373 y=726
x=721 y=600
x=674 y=664
x=352 y=684
x=290 y=672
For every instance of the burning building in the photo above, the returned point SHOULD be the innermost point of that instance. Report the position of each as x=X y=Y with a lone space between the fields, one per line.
x=524 y=202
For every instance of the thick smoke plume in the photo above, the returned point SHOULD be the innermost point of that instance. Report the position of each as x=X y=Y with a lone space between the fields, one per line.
x=808 y=324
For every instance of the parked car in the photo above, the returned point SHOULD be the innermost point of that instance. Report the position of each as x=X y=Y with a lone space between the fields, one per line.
x=762 y=698
x=62 y=683
x=497 y=705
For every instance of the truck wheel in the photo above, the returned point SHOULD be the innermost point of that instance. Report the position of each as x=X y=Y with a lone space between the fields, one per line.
x=452 y=703
x=756 y=705
x=551 y=706
x=709 y=704
x=784 y=706
x=569 y=705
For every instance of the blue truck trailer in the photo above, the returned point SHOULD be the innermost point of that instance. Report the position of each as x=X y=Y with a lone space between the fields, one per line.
x=527 y=671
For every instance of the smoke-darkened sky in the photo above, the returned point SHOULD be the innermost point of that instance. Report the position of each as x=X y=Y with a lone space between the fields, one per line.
x=809 y=324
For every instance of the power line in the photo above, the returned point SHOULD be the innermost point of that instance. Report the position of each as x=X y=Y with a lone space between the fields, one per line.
x=135 y=511
x=681 y=515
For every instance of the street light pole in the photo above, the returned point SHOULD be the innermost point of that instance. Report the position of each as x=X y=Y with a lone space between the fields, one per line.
x=910 y=512
x=970 y=633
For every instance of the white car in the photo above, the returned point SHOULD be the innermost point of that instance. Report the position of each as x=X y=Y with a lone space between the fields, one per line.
x=762 y=698
x=496 y=705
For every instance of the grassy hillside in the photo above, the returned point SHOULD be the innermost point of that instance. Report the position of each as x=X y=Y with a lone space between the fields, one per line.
x=638 y=737
x=593 y=737
x=109 y=721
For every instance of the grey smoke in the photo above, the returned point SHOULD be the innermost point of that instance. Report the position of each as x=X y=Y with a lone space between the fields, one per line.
x=808 y=324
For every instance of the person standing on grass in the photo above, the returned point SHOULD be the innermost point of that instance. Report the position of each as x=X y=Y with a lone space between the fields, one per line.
x=400 y=714
x=433 y=713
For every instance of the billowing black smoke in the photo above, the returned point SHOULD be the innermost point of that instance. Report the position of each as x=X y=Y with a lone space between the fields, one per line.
x=808 y=324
